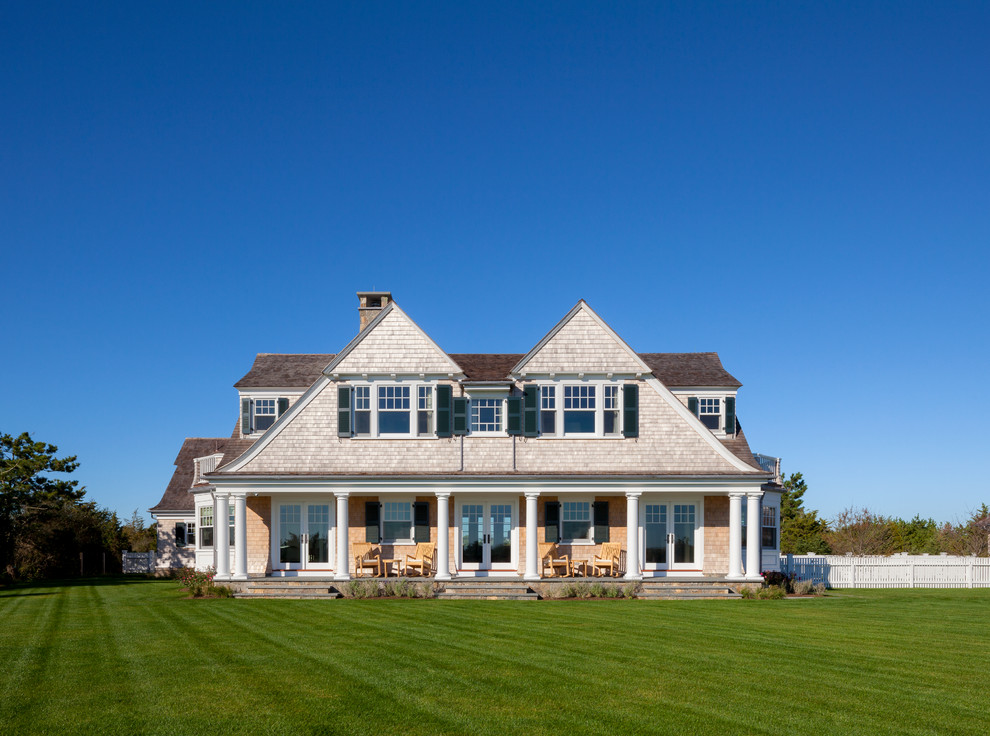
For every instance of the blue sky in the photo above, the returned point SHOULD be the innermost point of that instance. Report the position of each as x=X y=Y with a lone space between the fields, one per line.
x=800 y=187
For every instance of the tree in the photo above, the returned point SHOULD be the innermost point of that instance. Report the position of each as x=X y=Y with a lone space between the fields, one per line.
x=137 y=536
x=970 y=538
x=860 y=532
x=801 y=531
x=24 y=488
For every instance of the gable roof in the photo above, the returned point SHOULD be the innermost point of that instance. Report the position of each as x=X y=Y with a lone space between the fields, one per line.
x=177 y=496
x=284 y=370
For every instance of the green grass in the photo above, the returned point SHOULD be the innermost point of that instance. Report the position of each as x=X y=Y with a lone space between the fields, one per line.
x=136 y=657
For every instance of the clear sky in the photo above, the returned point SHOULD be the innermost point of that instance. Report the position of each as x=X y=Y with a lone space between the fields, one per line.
x=804 y=188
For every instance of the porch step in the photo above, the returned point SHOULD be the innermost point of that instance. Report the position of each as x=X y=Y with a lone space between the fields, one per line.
x=288 y=589
x=686 y=590
x=487 y=591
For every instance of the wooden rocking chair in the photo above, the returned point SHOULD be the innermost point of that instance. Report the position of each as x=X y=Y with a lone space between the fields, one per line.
x=366 y=555
x=423 y=560
x=550 y=557
x=607 y=559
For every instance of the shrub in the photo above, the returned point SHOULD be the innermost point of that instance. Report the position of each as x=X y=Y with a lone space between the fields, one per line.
x=629 y=590
x=200 y=583
x=748 y=593
x=819 y=588
x=802 y=587
x=777 y=578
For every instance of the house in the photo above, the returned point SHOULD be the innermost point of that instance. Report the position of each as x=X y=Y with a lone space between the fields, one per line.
x=579 y=441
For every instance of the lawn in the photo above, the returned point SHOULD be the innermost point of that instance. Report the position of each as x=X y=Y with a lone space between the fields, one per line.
x=136 y=657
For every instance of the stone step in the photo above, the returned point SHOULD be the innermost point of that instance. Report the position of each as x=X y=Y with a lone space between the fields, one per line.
x=487 y=597
x=290 y=595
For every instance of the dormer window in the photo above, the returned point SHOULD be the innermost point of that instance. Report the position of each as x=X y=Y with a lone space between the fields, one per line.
x=710 y=413
x=715 y=412
x=264 y=414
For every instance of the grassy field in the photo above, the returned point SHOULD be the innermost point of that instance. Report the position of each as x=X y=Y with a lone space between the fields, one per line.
x=136 y=657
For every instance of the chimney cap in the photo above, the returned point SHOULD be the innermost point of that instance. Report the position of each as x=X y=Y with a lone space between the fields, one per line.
x=371 y=302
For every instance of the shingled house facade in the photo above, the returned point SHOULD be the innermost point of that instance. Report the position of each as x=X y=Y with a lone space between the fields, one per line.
x=580 y=441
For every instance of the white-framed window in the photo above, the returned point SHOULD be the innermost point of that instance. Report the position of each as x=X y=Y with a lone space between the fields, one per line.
x=264 y=414
x=575 y=521
x=769 y=530
x=710 y=412
x=424 y=411
x=185 y=534
x=362 y=410
x=230 y=523
x=548 y=409
x=610 y=415
x=393 y=410
x=579 y=409
x=486 y=415
x=397 y=522
x=206 y=526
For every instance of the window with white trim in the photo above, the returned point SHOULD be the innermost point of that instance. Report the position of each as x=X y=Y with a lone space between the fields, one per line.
x=548 y=409
x=769 y=527
x=710 y=412
x=575 y=521
x=185 y=534
x=397 y=522
x=612 y=425
x=486 y=415
x=424 y=411
x=362 y=410
x=579 y=409
x=393 y=410
x=206 y=526
x=230 y=523
x=264 y=414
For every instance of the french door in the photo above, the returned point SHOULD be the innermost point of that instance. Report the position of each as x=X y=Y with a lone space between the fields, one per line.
x=302 y=536
x=486 y=535
x=670 y=536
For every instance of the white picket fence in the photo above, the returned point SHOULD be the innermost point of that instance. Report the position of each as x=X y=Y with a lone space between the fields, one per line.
x=896 y=571
x=138 y=561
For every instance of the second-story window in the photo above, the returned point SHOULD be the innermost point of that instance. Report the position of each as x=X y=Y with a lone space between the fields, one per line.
x=548 y=409
x=362 y=410
x=264 y=414
x=424 y=411
x=709 y=412
x=579 y=409
x=611 y=414
x=393 y=410
x=486 y=415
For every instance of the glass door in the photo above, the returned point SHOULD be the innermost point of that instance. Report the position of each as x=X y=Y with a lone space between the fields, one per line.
x=656 y=537
x=670 y=536
x=486 y=536
x=683 y=527
x=303 y=537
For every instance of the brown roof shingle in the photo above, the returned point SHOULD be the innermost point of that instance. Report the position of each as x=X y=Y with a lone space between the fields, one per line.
x=285 y=370
x=177 y=496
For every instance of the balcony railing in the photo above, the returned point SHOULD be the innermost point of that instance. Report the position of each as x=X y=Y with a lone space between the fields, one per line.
x=770 y=464
x=203 y=465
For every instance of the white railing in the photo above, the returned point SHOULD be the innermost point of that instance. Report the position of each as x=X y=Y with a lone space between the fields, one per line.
x=203 y=465
x=896 y=571
x=769 y=464
x=137 y=561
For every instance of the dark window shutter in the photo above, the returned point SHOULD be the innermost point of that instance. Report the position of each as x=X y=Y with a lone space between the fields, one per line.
x=443 y=411
x=551 y=526
x=460 y=415
x=421 y=515
x=531 y=410
x=601 y=521
x=630 y=410
x=245 y=416
x=343 y=411
x=372 y=514
x=730 y=414
x=693 y=405
x=513 y=415
x=283 y=406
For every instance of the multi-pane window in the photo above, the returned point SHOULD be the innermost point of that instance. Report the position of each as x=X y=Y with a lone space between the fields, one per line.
x=206 y=526
x=579 y=409
x=486 y=415
x=264 y=414
x=396 y=521
x=393 y=410
x=548 y=409
x=185 y=534
x=611 y=416
x=709 y=412
x=769 y=527
x=424 y=410
x=575 y=521
x=230 y=523
x=362 y=410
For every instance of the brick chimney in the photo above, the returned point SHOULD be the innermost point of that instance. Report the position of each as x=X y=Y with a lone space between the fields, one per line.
x=371 y=303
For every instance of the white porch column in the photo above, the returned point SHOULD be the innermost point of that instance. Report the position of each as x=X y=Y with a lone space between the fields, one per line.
x=632 y=536
x=443 y=535
x=343 y=549
x=532 y=550
x=754 y=541
x=735 y=536
x=240 y=535
x=221 y=534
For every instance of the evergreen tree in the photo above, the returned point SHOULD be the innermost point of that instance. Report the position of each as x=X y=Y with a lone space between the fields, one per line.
x=801 y=531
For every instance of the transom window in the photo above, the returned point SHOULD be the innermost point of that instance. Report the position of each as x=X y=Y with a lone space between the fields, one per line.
x=579 y=409
x=396 y=521
x=486 y=415
x=264 y=414
x=709 y=412
x=393 y=409
x=575 y=521
x=548 y=409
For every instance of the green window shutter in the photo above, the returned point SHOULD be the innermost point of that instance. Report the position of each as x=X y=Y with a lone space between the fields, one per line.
x=372 y=515
x=630 y=410
x=283 y=406
x=421 y=515
x=245 y=416
x=513 y=415
x=344 y=411
x=443 y=411
x=730 y=414
x=601 y=521
x=551 y=524
x=531 y=410
x=693 y=405
x=460 y=415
